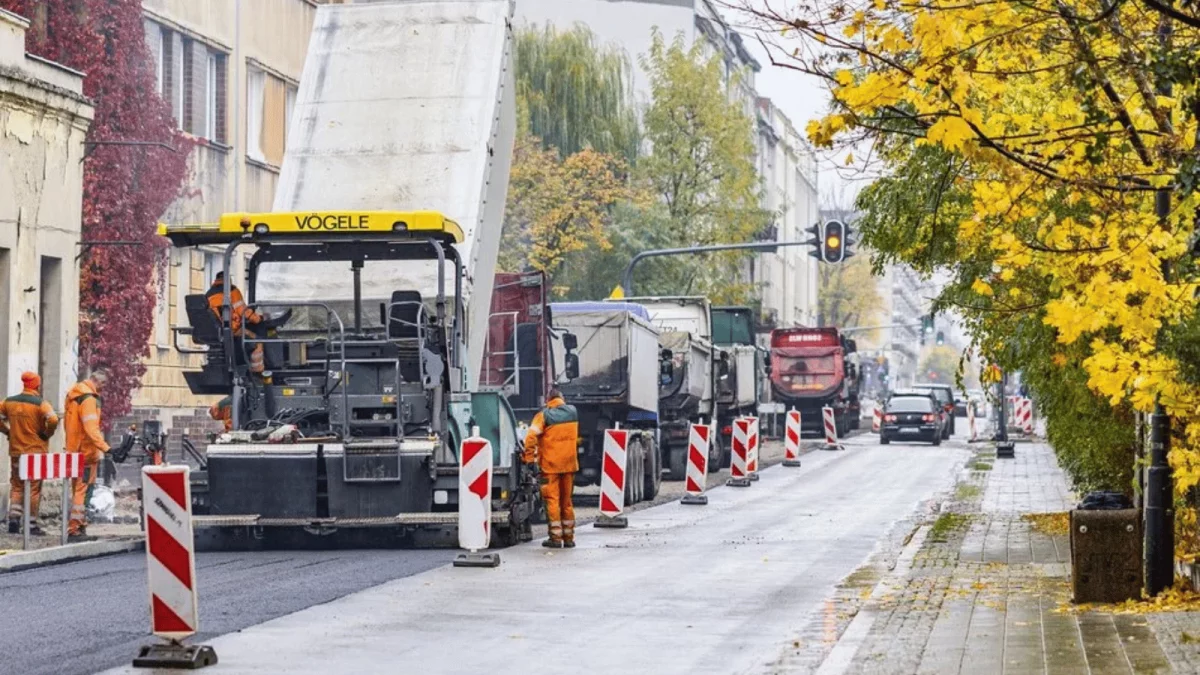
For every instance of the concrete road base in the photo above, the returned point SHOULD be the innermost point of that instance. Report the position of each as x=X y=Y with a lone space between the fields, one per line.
x=694 y=499
x=477 y=560
x=738 y=482
x=611 y=522
x=791 y=463
x=175 y=656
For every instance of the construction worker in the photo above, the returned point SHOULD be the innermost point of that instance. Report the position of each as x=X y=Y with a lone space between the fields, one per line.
x=222 y=411
x=241 y=317
x=551 y=448
x=29 y=422
x=82 y=413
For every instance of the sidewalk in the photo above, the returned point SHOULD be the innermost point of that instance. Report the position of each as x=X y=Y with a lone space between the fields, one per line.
x=986 y=589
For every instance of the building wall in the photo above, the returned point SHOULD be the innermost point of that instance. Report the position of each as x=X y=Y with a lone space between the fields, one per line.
x=44 y=119
x=230 y=69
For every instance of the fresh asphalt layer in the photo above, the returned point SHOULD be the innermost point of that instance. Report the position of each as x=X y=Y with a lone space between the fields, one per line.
x=722 y=588
x=91 y=615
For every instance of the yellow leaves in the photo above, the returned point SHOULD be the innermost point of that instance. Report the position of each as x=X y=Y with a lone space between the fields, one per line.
x=844 y=77
x=982 y=287
x=821 y=132
x=1059 y=359
x=950 y=132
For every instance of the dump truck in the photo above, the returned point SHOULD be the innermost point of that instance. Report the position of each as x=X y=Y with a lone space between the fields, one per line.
x=374 y=273
x=814 y=368
x=614 y=369
x=517 y=357
x=739 y=391
x=698 y=366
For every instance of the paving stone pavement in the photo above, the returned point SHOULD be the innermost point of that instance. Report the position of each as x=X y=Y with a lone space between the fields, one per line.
x=985 y=593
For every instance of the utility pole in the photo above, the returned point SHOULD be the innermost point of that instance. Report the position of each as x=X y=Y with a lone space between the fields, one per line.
x=1158 y=546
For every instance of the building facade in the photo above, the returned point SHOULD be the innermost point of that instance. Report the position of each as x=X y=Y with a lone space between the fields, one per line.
x=44 y=119
x=230 y=70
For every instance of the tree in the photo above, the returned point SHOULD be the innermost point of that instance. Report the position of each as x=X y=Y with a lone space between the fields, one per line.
x=940 y=364
x=125 y=189
x=848 y=295
x=577 y=93
x=701 y=166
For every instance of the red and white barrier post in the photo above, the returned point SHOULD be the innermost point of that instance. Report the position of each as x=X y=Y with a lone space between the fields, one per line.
x=62 y=466
x=614 y=467
x=699 y=438
x=1025 y=415
x=752 y=443
x=171 y=570
x=971 y=421
x=475 y=502
x=791 y=438
x=739 y=475
x=877 y=419
x=831 y=435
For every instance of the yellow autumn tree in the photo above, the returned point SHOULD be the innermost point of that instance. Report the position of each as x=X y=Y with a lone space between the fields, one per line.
x=1044 y=152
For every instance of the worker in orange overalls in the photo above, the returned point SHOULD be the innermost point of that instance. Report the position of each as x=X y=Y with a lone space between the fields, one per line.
x=241 y=317
x=29 y=422
x=551 y=444
x=222 y=411
x=82 y=413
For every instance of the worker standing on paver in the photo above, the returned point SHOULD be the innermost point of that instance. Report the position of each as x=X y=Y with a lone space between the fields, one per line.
x=241 y=317
x=82 y=413
x=222 y=411
x=29 y=422
x=551 y=445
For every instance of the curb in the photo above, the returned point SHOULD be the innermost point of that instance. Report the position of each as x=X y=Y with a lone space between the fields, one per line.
x=22 y=560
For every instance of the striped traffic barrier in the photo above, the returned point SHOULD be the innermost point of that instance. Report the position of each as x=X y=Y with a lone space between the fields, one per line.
x=791 y=438
x=971 y=421
x=63 y=466
x=738 y=475
x=1025 y=415
x=877 y=419
x=612 y=479
x=171 y=570
x=697 y=467
x=752 y=443
x=475 y=502
x=831 y=435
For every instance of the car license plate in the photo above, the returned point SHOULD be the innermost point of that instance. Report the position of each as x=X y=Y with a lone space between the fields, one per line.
x=910 y=430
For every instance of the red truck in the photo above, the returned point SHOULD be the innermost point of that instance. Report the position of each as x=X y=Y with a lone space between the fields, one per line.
x=811 y=368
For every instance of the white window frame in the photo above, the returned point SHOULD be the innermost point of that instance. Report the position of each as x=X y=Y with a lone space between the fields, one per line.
x=210 y=98
x=289 y=108
x=256 y=91
x=158 y=63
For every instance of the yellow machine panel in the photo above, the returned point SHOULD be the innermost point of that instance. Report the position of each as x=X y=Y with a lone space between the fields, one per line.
x=320 y=225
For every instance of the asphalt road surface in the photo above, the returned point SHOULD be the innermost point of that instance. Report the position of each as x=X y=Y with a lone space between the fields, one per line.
x=90 y=615
x=722 y=588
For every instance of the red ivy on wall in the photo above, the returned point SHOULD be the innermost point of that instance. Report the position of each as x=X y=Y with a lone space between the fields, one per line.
x=126 y=189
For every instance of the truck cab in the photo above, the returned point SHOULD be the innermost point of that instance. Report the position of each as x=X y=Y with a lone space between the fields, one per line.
x=814 y=368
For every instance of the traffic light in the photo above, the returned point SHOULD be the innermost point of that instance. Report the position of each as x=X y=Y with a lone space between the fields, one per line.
x=815 y=240
x=847 y=242
x=833 y=248
x=941 y=338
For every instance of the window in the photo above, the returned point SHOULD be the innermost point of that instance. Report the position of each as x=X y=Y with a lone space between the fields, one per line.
x=269 y=103
x=191 y=79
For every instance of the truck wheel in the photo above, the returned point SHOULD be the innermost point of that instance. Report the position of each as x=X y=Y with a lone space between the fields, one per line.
x=631 y=472
x=716 y=455
x=653 y=472
x=676 y=462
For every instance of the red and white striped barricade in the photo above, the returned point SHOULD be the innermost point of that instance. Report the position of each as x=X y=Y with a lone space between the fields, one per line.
x=171 y=570
x=699 y=438
x=1025 y=415
x=752 y=443
x=791 y=438
x=475 y=503
x=614 y=467
x=831 y=435
x=739 y=475
x=877 y=419
x=63 y=466
x=971 y=421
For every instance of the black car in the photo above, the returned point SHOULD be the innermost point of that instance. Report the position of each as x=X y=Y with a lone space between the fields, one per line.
x=913 y=417
x=945 y=397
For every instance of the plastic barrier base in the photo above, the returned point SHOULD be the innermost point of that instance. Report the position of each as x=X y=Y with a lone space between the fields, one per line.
x=791 y=462
x=477 y=560
x=694 y=499
x=738 y=482
x=611 y=521
x=833 y=446
x=176 y=656
x=754 y=476
x=1006 y=450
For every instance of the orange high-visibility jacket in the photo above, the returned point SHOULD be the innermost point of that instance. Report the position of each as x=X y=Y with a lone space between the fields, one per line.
x=216 y=299
x=82 y=413
x=553 y=438
x=28 y=421
x=222 y=411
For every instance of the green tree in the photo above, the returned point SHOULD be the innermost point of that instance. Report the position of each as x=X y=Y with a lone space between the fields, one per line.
x=577 y=93
x=701 y=167
x=847 y=295
x=940 y=364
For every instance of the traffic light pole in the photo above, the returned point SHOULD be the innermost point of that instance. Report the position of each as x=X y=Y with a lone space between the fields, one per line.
x=767 y=246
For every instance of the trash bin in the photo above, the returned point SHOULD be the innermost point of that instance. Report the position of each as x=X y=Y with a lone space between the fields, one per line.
x=1106 y=549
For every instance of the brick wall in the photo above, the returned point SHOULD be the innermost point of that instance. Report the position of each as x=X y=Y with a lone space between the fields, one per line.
x=174 y=420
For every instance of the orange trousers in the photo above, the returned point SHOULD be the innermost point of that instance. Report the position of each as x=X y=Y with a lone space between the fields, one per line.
x=16 y=495
x=556 y=493
x=79 y=490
